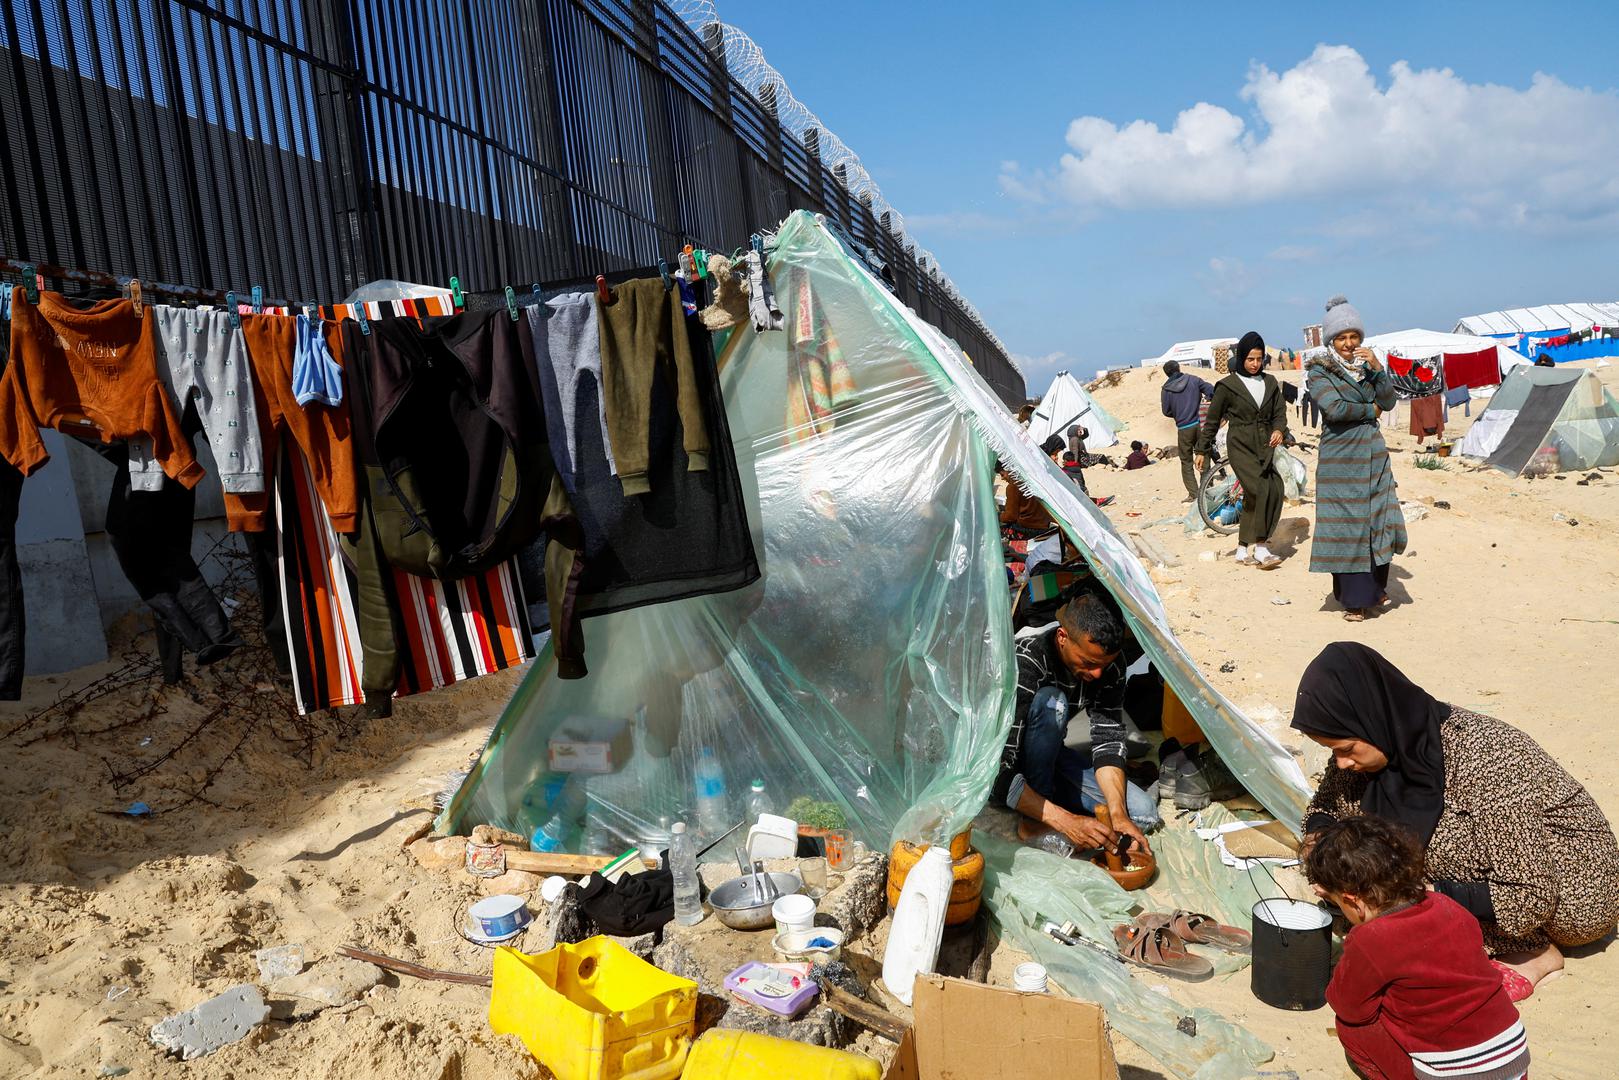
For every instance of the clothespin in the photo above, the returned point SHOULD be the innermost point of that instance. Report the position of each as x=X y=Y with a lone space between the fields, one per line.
x=311 y=309
x=688 y=265
x=30 y=283
x=603 y=293
x=701 y=259
x=456 y=297
x=135 y=295
x=663 y=271
x=511 y=302
x=360 y=316
x=258 y=299
x=757 y=243
x=230 y=309
x=535 y=288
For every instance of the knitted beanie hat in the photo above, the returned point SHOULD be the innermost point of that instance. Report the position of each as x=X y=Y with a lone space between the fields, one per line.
x=1341 y=316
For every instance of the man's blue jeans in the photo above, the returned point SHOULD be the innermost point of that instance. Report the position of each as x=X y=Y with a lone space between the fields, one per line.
x=1064 y=775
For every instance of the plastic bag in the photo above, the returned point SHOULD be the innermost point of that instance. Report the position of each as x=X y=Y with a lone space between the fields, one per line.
x=1295 y=475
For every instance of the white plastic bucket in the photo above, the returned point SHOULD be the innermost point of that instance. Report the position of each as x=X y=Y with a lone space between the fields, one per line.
x=795 y=912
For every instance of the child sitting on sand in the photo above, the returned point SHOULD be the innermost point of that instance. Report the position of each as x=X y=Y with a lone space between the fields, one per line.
x=1414 y=993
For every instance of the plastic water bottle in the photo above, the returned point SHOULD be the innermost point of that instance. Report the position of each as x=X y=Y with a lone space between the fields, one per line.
x=683 y=866
x=758 y=801
x=713 y=808
x=552 y=836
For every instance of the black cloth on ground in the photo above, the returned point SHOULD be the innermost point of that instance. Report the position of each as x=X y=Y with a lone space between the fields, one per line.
x=636 y=904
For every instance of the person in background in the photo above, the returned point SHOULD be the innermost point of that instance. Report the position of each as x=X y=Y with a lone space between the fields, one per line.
x=1138 y=458
x=1506 y=832
x=1545 y=360
x=1180 y=401
x=1358 y=524
x=1024 y=415
x=1414 y=994
x=1073 y=669
x=1250 y=402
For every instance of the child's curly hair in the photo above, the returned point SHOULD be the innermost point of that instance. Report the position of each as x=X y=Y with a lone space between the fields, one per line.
x=1369 y=857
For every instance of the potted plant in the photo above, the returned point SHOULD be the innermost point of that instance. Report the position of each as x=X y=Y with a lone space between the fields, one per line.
x=816 y=818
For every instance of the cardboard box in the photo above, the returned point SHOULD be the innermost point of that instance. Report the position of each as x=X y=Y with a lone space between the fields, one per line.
x=580 y=747
x=966 y=1030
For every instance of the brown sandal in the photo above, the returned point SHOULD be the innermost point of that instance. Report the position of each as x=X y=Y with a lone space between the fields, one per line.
x=1158 y=949
x=1195 y=928
x=1355 y=615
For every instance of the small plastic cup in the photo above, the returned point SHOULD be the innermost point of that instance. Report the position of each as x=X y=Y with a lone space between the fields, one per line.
x=795 y=912
x=839 y=848
x=813 y=871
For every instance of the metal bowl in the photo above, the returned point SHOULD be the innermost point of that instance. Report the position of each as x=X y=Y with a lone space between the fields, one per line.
x=737 y=905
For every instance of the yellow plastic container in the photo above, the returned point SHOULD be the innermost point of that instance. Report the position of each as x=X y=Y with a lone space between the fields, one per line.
x=594 y=1011
x=741 y=1055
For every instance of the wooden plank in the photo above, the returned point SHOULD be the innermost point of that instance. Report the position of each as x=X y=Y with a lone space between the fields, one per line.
x=881 y=1022
x=548 y=862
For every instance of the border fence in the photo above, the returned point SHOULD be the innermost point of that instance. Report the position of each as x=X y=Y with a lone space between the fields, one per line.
x=309 y=146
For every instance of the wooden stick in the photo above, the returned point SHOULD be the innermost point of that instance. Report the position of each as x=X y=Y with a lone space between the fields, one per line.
x=548 y=862
x=881 y=1022
x=405 y=967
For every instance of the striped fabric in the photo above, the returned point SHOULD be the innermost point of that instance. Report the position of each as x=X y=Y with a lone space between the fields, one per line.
x=446 y=631
x=1358 y=523
x=1504 y=1057
x=819 y=382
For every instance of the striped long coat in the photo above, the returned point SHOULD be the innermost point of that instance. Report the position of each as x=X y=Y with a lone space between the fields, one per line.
x=1358 y=524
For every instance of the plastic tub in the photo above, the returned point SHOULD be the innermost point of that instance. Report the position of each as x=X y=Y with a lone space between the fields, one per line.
x=794 y=946
x=796 y=912
x=594 y=1011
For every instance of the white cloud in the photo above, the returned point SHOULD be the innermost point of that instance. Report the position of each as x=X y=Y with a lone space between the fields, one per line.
x=1295 y=253
x=1228 y=279
x=1038 y=371
x=1483 y=153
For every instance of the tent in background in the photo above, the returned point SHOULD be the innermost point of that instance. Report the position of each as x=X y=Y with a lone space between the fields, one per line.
x=1546 y=420
x=1531 y=331
x=1421 y=344
x=1190 y=353
x=1067 y=403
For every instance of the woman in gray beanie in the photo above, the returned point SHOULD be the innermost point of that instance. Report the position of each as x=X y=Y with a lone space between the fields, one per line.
x=1358 y=525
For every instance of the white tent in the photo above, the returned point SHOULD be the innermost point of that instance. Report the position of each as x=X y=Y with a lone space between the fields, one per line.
x=1196 y=353
x=1539 y=320
x=1066 y=403
x=1421 y=344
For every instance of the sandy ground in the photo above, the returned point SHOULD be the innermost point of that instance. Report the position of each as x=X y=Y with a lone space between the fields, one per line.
x=271 y=830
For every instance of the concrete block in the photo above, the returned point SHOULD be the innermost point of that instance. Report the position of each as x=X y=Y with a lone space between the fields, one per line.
x=332 y=982
x=217 y=1022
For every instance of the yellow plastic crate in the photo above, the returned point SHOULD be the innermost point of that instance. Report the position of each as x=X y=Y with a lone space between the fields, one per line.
x=740 y=1055
x=594 y=1011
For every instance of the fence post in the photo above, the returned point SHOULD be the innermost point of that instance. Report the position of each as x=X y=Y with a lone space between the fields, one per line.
x=660 y=135
x=341 y=120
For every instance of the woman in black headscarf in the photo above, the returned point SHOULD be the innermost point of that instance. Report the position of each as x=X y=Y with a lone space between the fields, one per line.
x=1251 y=402
x=1510 y=835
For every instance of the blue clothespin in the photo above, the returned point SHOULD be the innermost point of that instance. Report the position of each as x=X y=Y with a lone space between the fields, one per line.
x=230 y=309
x=455 y=293
x=663 y=269
x=30 y=283
x=511 y=302
x=258 y=299
x=365 y=323
x=757 y=243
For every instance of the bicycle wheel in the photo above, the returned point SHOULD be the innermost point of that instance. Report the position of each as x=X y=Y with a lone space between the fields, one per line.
x=1219 y=498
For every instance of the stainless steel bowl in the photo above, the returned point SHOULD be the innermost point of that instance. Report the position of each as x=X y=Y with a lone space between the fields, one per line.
x=737 y=905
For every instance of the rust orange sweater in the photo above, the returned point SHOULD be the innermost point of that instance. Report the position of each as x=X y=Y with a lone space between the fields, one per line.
x=88 y=370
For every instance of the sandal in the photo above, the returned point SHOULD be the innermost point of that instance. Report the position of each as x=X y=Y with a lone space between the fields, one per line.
x=1158 y=949
x=1195 y=928
x=1516 y=984
x=1357 y=615
x=1270 y=563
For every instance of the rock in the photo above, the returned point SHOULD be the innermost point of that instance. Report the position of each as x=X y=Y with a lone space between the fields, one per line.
x=1440 y=504
x=444 y=853
x=861 y=901
x=1279 y=601
x=332 y=982
x=1228 y=667
x=512 y=883
x=488 y=834
x=279 y=961
x=217 y=1022
x=1207 y=556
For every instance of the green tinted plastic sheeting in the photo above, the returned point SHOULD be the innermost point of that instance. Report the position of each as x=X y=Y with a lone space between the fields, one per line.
x=1025 y=887
x=871 y=666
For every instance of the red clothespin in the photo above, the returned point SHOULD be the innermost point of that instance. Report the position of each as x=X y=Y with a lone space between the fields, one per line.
x=603 y=293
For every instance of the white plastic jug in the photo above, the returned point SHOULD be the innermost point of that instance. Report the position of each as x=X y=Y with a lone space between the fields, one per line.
x=918 y=927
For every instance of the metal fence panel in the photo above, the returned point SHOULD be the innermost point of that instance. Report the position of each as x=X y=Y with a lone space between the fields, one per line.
x=309 y=146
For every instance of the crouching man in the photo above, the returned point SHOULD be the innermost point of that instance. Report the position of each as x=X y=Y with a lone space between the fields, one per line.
x=1073 y=670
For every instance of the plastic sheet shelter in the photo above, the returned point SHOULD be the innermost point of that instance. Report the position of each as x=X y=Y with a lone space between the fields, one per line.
x=872 y=664
x=1066 y=404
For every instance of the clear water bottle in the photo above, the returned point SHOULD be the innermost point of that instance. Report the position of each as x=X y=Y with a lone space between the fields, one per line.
x=713 y=808
x=683 y=865
x=552 y=836
x=758 y=802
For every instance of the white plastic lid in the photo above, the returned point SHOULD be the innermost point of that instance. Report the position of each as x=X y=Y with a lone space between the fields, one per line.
x=677 y=828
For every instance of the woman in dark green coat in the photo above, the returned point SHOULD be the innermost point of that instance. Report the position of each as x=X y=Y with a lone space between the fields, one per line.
x=1251 y=403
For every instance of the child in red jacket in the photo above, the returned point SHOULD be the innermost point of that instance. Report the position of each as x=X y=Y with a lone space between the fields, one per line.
x=1414 y=992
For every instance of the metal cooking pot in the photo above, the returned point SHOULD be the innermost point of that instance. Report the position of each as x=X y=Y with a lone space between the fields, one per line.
x=739 y=906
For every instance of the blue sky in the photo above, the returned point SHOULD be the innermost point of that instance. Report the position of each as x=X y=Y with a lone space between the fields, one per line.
x=1430 y=160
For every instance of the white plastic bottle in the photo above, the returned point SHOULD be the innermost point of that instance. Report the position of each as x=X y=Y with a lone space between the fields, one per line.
x=918 y=927
x=683 y=866
x=713 y=807
x=758 y=802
